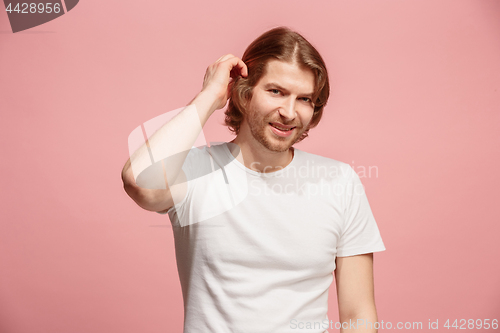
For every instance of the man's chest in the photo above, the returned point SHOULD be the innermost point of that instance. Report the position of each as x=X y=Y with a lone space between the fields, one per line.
x=269 y=231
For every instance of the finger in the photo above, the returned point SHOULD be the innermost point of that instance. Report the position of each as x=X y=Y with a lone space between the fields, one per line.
x=238 y=67
x=218 y=60
x=225 y=57
x=242 y=67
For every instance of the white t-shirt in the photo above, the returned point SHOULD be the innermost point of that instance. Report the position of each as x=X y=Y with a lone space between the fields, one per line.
x=256 y=251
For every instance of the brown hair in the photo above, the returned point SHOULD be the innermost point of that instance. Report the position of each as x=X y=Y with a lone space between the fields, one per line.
x=286 y=45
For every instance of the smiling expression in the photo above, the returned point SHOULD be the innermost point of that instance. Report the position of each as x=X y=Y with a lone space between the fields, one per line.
x=281 y=107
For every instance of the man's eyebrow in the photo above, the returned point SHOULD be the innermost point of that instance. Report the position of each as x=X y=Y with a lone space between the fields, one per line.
x=273 y=85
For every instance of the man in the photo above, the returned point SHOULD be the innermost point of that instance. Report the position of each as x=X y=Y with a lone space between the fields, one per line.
x=259 y=225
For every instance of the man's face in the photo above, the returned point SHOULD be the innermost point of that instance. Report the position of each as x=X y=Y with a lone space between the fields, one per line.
x=281 y=99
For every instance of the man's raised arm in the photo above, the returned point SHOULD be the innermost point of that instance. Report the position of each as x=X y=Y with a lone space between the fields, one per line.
x=176 y=137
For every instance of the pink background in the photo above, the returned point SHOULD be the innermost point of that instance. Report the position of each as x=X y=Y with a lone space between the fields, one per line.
x=415 y=93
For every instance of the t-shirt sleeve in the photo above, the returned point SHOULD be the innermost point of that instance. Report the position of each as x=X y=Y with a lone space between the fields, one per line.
x=208 y=189
x=196 y=164
x=360 y=233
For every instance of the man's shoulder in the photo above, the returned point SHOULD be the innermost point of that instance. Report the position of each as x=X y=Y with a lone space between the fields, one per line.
x=305 y=157
x=206 y=157
x=322 y=166
x=215 y=148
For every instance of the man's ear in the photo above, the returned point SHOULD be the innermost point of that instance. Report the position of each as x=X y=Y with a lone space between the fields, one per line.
x=230 y=88
x=245 y=101
x=248 y=97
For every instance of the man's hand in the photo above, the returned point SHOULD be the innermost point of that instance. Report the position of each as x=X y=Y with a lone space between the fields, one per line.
x=218 y=78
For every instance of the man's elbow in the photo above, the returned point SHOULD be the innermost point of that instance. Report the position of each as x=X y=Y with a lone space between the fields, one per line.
x=151 y=200
x=363 y=319
x=131 y=188
x=133 y=191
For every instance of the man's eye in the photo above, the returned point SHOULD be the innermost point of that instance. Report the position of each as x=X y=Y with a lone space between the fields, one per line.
x=274 y=91
x=305 y=99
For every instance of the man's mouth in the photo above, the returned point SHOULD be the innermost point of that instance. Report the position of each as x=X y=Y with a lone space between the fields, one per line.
x=282 y=127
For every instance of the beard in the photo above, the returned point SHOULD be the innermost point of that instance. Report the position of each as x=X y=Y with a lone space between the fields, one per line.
x=259 y=129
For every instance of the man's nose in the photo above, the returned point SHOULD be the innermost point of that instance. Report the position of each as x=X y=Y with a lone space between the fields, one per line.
x=287 y=109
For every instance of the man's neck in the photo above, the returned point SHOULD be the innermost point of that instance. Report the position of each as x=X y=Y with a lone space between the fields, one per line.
x=258 y=158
